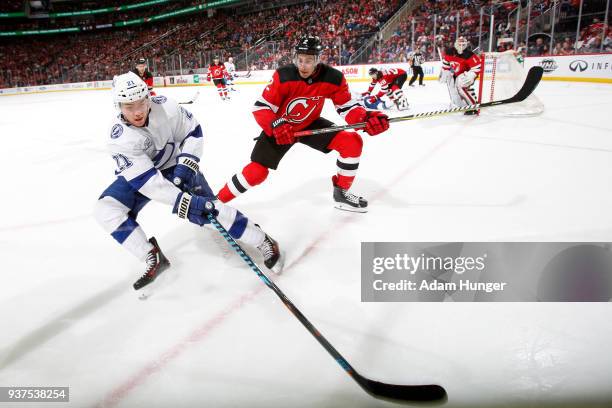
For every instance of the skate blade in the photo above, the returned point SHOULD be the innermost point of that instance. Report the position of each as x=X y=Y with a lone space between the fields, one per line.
x=157 y=286
x=280 y=264
x=345 y=207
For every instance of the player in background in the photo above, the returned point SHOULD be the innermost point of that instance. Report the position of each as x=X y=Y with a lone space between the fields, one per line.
x=156 y=145
x=374 y=103
x=144 y=74
x=293 y=101
x=416 y=60
x=391 y=82
x=218 y=74
x=230 y=69
x=460 y=68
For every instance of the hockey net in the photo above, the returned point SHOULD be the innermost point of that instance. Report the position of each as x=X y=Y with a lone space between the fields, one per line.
x=501 y=77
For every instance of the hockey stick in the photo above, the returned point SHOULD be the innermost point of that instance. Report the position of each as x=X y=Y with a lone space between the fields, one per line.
x=192 y=100
x=247 y=75
x=531 y=82
x=421 y=393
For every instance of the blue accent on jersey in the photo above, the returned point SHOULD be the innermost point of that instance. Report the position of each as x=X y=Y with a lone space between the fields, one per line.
x=186 y=112
x=124 y=230
x=116 y=131
x=161 y=154
x=140 y=181
x=238 y=226
x=122 y=163
x=196 y=132
x=159 y=99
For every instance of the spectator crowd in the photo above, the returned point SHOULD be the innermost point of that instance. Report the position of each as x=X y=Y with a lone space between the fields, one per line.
x=263 y=36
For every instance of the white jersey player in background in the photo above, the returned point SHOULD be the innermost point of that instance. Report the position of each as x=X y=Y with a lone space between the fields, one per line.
x=231 y=72
x=156 y=145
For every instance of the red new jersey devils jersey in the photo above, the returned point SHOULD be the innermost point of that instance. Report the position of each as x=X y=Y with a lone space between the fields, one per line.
x=216 y=71
x=147 y=77
x=300 y=101
x=460 y=63
x=387 y=78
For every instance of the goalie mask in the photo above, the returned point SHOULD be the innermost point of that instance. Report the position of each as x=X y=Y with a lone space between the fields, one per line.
x=461 y=44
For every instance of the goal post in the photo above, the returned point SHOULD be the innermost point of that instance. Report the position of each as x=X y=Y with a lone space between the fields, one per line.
x=501 y=76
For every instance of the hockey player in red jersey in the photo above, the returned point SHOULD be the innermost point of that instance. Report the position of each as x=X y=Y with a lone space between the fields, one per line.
x=218 y=74
x=293 y=101
x=144 y=74
x=391 y=82
x=460 y=68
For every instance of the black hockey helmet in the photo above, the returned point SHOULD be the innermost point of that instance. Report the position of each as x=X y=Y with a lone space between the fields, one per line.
x=309 y=44
x=373 y=71
x=141 y=61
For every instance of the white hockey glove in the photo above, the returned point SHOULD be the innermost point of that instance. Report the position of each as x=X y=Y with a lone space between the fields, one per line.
x=466 y=79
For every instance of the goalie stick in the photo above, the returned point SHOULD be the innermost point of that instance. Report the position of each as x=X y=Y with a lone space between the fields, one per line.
x=192 y=100
x=531 y=82
x=401 y=393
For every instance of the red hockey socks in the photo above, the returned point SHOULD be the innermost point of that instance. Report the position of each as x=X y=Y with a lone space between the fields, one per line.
x=252 y=175
x=349 y=145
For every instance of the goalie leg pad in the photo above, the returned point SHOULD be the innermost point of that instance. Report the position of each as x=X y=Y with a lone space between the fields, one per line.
x=467 y=94
x=453 y=93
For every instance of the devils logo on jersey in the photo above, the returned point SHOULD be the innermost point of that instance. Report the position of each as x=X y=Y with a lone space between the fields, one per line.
x=300 y=108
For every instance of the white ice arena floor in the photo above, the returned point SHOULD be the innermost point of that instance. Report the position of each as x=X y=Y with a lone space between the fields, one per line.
x=217 y=337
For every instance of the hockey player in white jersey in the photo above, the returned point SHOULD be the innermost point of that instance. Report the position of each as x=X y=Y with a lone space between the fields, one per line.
x=156 y=145
x=231 y=73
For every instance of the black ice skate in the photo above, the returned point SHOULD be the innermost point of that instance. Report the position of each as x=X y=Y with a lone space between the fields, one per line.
x=272 y=255
x=348 y=201
x=471 y=112
x=156 y=264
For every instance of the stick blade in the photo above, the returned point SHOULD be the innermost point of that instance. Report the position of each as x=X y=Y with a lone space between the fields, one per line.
x=404 y=393
x=534 y=75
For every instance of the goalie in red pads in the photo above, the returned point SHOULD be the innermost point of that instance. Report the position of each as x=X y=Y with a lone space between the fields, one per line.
x=460 y=68
x=293 y=101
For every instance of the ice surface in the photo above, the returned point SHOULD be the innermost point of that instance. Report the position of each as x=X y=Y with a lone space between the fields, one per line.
x=217 y=337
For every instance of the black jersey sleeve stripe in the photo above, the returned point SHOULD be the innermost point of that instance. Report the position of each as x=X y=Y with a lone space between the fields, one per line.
x=346 y=108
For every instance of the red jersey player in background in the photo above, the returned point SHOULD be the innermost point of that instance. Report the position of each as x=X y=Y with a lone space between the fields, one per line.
x=293 y=101
x=218 y=74
x=144 y=74
x=460 y=68
x=391 y=82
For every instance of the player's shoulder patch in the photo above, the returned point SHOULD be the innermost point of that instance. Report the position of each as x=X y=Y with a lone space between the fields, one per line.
x=186 y=112
x=116 y=131
x=159 y=99
x=330 y=75
x=288 y=73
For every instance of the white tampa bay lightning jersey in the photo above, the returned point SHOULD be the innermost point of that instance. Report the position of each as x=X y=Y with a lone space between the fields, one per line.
x=230 y=67
x=142 y=152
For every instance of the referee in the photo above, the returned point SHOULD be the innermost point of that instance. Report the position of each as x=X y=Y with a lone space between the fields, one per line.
x=416 y=60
